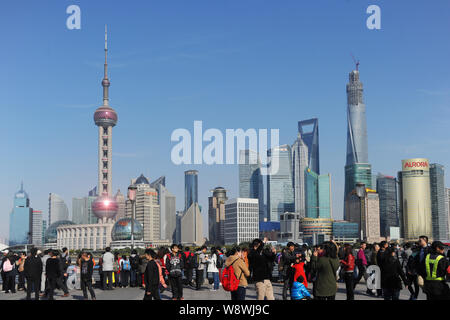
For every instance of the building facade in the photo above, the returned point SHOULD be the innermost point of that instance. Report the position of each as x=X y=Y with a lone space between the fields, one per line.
x=300 y=162
x=251 y=180
x=57 y=209
x=85 y=236
x=36 y=228
x=167 y=204
x=241 y=220
x=416 y=199
x=345 y=232
x=447 y=209
x=190 y=188
x=216 y=216
x=120 y=200
x=316 y=230
x=192 y=226
x=317 y=195
x=387 y=193
x=80 y=211
x=19 y=219
x=311 y=139
x=280 y=192
x=290 y=227
x=438 y=212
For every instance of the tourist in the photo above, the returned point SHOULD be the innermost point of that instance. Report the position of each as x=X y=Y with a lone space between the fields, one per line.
x=20 y=266
x=116 y=270
x=213 y=268
x=299 y=291
x=434 y=270
x=174 y=265
x=392 y=275
x=65 y=263
x=324 y=268
x=9 y=268
x=44 y=282
x=151 y=276
x=201 y=262
x=86 y=265
x=134 y=262
x=53 y=273
x=361 y=264
x=348 y=264
x=287 y=259
x=298 y=268
x=261 y=265
x=125 y=267
x=240 y=271
x=162 y=281
x=107 y=268
x=189 y=258
x=60 y=280
x=142 y=267
x=409 y=256
x=32 y=272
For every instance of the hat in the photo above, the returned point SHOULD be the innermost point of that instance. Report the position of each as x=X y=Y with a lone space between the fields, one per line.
x=6 y=251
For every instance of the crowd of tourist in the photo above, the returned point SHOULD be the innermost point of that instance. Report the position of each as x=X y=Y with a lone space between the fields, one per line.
x=305 y=272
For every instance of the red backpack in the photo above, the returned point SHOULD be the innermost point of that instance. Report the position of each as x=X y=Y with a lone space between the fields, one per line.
x=228 y=278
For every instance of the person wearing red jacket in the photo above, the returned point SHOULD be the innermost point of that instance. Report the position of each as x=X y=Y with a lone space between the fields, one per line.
x=348 y=264
x=299 y=268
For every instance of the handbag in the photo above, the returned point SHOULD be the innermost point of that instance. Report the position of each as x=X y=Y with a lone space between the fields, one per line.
x=420 y=281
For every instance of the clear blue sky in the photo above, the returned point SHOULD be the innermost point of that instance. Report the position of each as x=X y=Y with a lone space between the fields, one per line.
x=232 y=64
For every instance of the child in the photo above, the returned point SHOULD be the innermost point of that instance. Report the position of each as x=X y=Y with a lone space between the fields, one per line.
x=299 y=291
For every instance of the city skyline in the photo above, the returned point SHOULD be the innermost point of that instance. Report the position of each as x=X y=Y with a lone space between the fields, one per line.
x=142 y=141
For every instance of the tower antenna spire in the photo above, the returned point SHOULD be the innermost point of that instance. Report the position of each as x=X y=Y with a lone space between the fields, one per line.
x=356 y=62
x=105 y=81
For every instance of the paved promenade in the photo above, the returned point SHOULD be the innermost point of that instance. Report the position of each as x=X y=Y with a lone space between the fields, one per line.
x=190 y=294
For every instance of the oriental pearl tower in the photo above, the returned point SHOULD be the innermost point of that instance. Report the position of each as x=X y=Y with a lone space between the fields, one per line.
x=105 y=118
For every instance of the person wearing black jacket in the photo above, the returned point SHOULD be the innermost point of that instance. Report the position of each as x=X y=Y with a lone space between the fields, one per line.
x=188 y=266
x=174 y=265
x=33 y=271
x=65 y=263
x=288 y=258
x=86 y=269
x=53 y=273
x=151 y=277
x=261 y=265
x=392 y=275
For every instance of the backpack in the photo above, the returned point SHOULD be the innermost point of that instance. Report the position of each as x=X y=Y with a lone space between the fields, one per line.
x=175 y=264
x=7 y=266
x=126 y=265
x=196 y=261
x=116 y=266
x=219 y=261
x=228 y=278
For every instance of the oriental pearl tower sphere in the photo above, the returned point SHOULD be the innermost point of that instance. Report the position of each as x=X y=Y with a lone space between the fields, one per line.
x=105 y=207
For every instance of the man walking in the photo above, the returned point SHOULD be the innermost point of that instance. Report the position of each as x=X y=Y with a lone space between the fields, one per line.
x=174 y=266
x=151 y=276
x=107 y=267
x=361 y=263
x=188 y=266
x=86 y=271
x=261 y=264
x=287 y=259
x=65 y=263
x=202 y=261
x=33 y=272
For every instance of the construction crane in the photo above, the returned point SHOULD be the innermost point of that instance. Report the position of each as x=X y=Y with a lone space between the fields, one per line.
x=355 y=61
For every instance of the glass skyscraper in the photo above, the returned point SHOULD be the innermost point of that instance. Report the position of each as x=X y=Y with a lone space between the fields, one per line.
x=387 y=193
x=19 y=219
x=190 y=188
x=300 y=163
x=280 y=192
x=250 y=179
x=357 y=168
x=311 y=139
x=317 y=195
x=439 y=215
x=57 y=209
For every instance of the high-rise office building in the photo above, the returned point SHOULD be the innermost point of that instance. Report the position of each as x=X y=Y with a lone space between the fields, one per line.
x=311 y=139
x=416 y=199
x=190 y=188
x=80 y=211
x=36 y=227
x=192 y=226
x=216 y=216
x=439 y=215
x=364 y=208
x=19 y=219
x=57 y=209
x=44 y=230
x=300 y=162
x=241 y=220
x=317 y=195
x=120 y=200
x=345 y=232
x=167 y=204
x=280 y=192
x=447 y=209
x=357 y=167
x=250 y=179
x=147 y=209
x=387 y=193
x=290 y=227
x=105 y=118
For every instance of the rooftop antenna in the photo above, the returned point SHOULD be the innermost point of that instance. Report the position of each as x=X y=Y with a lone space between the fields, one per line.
x=356 y=62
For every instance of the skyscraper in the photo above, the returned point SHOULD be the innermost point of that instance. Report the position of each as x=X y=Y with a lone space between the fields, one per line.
x=36 y=228
x=250 y=179
x=57 y=209
x=416 y=199
x=167 y=203
x=241 y=220
x=105 y=207
x=216 y=216
x=300 y=163
x=120 y=199
x=357 y=168
x=280 y=193
x=387 y=193
x=311 y=139
x=190 y=188
x=438 y=213
x=317 y=195
x=192 y=226
x=447 y=209
x=19 y=219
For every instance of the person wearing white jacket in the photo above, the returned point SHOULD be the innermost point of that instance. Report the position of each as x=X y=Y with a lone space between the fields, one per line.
x=212 y=267
x=107 y=267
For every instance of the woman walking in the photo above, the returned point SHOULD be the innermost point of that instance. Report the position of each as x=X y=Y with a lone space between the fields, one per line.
x=348 y=264
x=392 y=276
x=240 y=271
x=212 y=268
x=324 y=268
